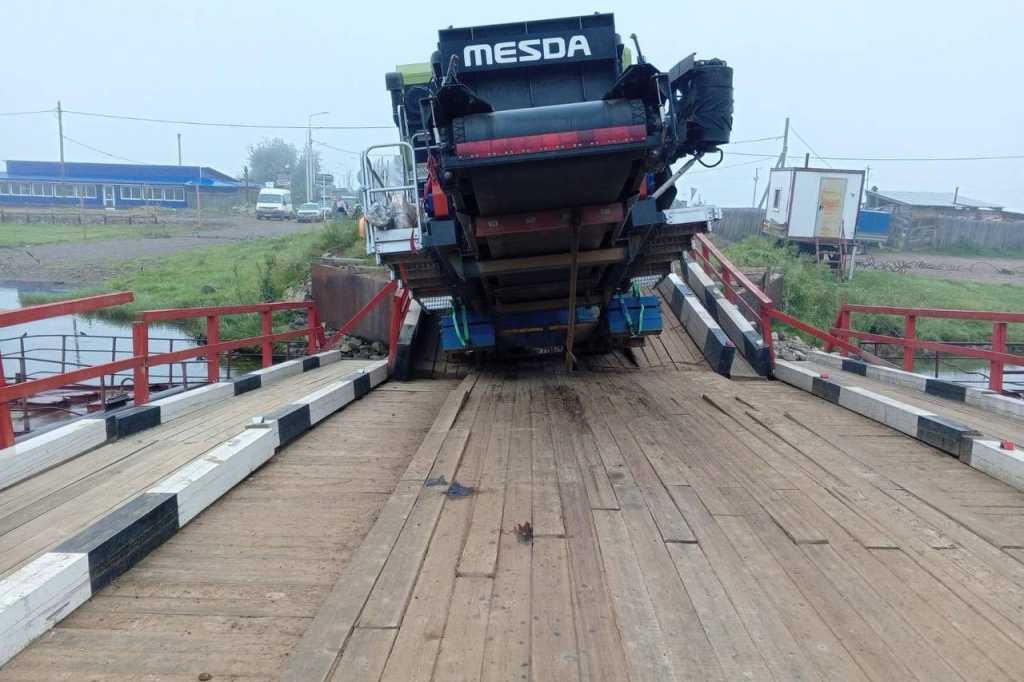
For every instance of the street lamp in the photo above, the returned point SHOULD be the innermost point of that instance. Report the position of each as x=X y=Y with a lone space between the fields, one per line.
x=309 y=154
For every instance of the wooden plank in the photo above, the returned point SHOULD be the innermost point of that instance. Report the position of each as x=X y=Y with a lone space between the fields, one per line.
x=818 y=642
x=687 y=645
x=670 y=522
x=480 y=552
x=422 y=627
x=390 y=595
x=547 y=505
x=553 y=649
x=314 y=656
x=507 y=650
x=736 y=652
x=365 y=654
x=598 y=640
x=869 y=649
x=462 y=647
x=643 y=640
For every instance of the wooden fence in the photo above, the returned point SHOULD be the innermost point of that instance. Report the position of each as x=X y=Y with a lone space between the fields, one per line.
x=987 y=234
x=738 y=223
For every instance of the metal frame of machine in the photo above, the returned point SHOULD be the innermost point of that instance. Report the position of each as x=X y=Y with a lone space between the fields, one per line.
x=542 y=162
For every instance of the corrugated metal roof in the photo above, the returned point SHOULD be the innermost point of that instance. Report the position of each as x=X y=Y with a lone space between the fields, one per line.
x=75 y=171
x=943 y=199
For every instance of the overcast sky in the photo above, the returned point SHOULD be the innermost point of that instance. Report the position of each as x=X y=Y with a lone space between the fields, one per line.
x=892 y=78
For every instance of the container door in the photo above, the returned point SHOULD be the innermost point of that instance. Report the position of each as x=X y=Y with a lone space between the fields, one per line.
x=108 y=196
x=831 y=194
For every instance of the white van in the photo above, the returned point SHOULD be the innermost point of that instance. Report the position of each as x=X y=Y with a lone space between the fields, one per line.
x=273 y=203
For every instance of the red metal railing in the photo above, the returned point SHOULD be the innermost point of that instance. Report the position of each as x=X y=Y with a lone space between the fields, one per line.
x=141 y=360
x=47 y=311
x=763 y=309
x=214 y=346
x=997 y=357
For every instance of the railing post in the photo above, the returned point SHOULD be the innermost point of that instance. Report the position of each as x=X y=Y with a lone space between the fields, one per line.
x=909 y=335
x=706 y=252
x=6 y=427
x=844 y=323
x=766 y=329
x=727 y=285
x=212 y=359
x=313 y=322
x=267 y=316
x=995 y=371
x=140 y=349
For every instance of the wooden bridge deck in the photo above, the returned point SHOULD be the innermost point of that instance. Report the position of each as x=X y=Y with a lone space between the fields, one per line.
x=684 y=527
x=41 y=511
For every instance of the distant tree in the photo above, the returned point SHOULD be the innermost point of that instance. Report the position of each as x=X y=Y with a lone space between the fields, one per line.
x=270 y=158
x=299 y=177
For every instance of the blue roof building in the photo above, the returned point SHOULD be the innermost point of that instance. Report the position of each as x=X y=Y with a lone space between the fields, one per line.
x=110 y=185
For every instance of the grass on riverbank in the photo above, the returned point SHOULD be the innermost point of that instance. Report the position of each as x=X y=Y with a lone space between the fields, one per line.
x=812 y=294
x=247 y=272
x=34 y=234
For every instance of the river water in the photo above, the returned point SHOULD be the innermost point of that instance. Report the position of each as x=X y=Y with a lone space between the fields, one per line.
x=79 y=340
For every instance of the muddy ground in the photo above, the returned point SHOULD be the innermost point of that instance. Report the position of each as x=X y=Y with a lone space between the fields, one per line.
x=88 y=263
x=957 y=268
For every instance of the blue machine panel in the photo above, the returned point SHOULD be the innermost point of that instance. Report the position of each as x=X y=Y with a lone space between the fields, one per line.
x=634 y=316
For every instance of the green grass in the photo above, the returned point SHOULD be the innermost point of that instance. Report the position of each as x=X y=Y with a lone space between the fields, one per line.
x=812 y=294
x=34 y=234
x=246 y=272
x=968 y=249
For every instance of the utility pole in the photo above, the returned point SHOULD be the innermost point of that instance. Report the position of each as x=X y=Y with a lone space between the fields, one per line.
x=753 y=200
x=60 y=132
x=780 y=163
x=309 y=154
x=179 y=149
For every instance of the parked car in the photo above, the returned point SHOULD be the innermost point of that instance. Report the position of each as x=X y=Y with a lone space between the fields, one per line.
x=310 y=212
x=274 y=204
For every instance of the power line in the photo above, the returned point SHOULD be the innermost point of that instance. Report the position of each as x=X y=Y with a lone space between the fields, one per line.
x=100 y=151
x=759 y=139
x=337 y=149
x=818 y=156
x=218 y=124
x=996 y=157
x=27 y=113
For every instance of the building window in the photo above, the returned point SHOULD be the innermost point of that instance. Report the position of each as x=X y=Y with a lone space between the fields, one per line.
x=5 y=188
x=133 y=192
x=26 y=189
x=37 y=189
x=777 y=199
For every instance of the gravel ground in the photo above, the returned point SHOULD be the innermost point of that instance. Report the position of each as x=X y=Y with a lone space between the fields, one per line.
x=957 y=268
x=87 y=263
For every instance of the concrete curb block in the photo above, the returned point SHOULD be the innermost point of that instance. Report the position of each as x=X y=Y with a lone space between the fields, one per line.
x=737 y=327
x=949 y=390
x=718 y=350
x=406 y=340
x=46 y=590
x=48 y=449
x=950 y=436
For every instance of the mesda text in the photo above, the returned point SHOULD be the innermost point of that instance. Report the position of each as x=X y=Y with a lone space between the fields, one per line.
x=530 y=50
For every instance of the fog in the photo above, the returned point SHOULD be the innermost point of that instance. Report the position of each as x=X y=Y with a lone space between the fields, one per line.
x=866 y=79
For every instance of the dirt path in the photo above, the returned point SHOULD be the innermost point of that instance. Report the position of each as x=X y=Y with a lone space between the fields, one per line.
x=957 y=268
x=90 y=262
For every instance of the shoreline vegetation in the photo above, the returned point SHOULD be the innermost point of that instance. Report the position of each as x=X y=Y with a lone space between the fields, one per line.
x=246 y=272
x=812 y=294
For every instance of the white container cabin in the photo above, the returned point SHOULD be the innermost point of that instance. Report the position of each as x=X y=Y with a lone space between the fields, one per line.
x=814 y=207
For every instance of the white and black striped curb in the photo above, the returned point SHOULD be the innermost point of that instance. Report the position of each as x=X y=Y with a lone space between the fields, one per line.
x=43 y=592
x=737 y=327
x=53 y=447
x=402 y=369
x=718 y=350
x=987 y=400
x=959 y=440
